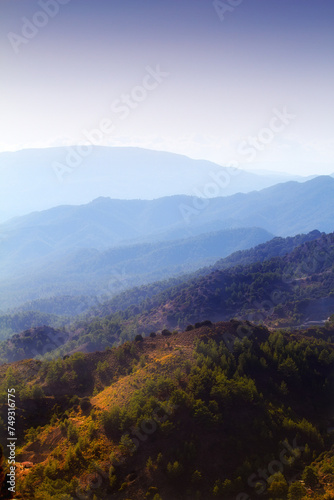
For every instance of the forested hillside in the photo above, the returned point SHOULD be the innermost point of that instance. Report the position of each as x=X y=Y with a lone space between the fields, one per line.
x=108 y=244
x=282 y=291
x=197 y=414
x=77 y=271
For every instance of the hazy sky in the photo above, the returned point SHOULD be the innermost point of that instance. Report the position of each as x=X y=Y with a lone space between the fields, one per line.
x=236 y=80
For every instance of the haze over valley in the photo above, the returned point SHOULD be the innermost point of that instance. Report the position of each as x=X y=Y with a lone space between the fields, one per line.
x=166 y=250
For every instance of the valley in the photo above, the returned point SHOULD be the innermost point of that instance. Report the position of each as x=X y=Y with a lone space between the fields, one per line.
x=141 y=336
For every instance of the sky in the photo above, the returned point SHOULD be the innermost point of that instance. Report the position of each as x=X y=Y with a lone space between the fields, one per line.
x=246 y=82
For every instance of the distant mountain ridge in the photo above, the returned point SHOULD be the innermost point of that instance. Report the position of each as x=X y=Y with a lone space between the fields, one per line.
x=38 y=179
x=36 y=242
x=285 y=210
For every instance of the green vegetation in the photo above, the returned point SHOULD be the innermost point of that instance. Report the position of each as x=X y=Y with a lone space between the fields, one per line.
x=284 y=290
x=11 y=324
x=165 y=404
x=200 y=422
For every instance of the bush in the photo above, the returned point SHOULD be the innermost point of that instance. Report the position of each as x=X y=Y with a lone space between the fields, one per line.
x=166 y=333
x=37 y=392
x=102 y=369
x=174 y=470
x=72 y=433
x=310 y=477
x=85 y=404
x=196 y=477
x=111 y=421
x=151 y=492
x=112 y=480
x=296 y=491
x=138 y=338
x=74 y=400
x=153 y=334
x=278 y=488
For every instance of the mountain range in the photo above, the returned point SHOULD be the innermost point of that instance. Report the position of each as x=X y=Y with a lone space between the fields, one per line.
x=37 y=179
x=225 y=343
x=280 y=283
x=84 y=249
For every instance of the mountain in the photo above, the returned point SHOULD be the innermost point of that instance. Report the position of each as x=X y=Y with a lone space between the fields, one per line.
x=277 y=247
x=17 y=322
x=31 y=246
x=95 y=272
x=285 y=209
x=226 y=410
x=283 y=291
x=72 y=305
x=292 y=289
x=37 y=179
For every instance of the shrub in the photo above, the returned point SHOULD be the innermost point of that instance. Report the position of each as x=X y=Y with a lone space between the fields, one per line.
x=102 y=369
x=111 y=421
x=278 y=487
x=85 y=404
x=222 y=488
x=310 y=477
x=174 y=470
x=74 y=400
x=196 y=476
x=72 y=433
x=153 y=490
x=112 y=480
x=296 y=491
x=37 y=392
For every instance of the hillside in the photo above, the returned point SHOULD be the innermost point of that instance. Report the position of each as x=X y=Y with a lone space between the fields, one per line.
x=73 y=305
x=18 y=321
x=95 y=272
x=150 y=419
x=282 y=291
x=131 y=302
x=296 y=287
x=278 y=291
x=63 y=251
